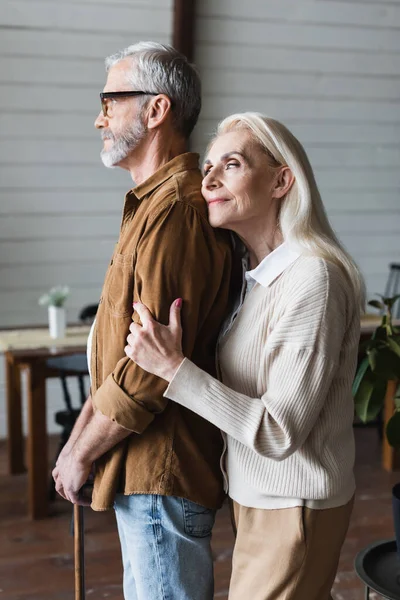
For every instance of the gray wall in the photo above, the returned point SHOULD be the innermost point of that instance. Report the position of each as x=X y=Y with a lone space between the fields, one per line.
x=59 y=207
x=330 y=70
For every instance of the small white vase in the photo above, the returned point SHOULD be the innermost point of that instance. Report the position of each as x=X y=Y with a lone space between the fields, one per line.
x=57 y=321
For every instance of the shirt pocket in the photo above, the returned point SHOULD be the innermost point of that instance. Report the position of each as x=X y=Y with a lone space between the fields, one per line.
x=118 y=296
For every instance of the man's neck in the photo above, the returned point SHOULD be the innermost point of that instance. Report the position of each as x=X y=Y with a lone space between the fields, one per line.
x=152 y=155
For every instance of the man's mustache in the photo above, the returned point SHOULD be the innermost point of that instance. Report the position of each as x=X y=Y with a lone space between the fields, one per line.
x=107 y=135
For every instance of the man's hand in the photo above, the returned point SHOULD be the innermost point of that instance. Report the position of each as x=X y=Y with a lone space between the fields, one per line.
x=70 y=474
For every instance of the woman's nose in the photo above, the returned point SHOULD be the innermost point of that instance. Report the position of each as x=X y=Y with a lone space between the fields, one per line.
x=210 y=182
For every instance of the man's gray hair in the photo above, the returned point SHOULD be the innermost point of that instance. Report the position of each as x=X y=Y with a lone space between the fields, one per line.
x=161 y=69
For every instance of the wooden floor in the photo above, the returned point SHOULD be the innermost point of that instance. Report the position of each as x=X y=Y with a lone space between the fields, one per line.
x=36 y=561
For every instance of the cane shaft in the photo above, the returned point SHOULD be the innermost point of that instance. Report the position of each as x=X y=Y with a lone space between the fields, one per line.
x=79 y=553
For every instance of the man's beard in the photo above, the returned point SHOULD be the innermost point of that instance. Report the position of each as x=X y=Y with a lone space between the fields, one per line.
x=123 y=143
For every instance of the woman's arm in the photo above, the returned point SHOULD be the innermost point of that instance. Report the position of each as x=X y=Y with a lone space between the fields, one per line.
x=299 y=366
x=275 y=425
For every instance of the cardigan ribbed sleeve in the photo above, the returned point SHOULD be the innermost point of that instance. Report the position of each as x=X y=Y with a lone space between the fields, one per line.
x=286 y=348
x=274 y=425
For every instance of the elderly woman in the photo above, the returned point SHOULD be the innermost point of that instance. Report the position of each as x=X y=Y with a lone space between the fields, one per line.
x=286 y=362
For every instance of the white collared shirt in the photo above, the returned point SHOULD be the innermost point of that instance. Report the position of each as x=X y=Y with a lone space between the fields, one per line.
x=272 y=265
x=264 y=273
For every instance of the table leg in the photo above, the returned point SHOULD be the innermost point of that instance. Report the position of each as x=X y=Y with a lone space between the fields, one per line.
x=38 y=476
x=366 y=592
x=15 y=439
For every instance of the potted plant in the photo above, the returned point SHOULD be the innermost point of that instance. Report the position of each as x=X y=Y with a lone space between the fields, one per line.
x=380 y=366
x=376 y=386
x=55 y=299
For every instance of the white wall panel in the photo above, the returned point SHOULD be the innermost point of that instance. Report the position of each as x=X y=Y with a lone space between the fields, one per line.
x=78 y=274
x=61 y=250
x=41 y=227
x=214 y=55
x=65 y=44
x=18 y=201
x=61 y=177
x=265 y=33
x=377 y=14
x=306 y=85
x=86 y=17
x=322 y=108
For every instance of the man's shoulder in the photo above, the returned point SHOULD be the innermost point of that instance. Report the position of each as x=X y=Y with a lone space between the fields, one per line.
x=184 y=187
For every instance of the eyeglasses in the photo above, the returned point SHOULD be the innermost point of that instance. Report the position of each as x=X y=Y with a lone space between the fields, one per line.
x=104 y=96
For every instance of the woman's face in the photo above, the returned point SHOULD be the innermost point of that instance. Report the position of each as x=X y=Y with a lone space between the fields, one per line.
x=239 y=181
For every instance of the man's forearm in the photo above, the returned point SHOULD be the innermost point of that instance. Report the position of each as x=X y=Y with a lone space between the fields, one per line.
x=98 y=436
x=82 y=421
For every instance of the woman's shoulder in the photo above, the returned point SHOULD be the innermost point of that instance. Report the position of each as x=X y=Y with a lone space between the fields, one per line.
x=316 y=270
x=320 y=287
x=316 y=278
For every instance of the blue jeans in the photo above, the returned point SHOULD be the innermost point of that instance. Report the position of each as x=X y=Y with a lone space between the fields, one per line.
x=165 y=543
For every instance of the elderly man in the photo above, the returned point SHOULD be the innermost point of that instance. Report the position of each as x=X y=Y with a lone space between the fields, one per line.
x=155 y=462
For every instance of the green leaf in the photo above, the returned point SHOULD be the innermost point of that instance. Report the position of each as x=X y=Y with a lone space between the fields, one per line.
x=372 y=357
x=368 y=400
x=394 y=345
x=376 y=304
x=364 y=365
x=393 y=430
x=391 y=301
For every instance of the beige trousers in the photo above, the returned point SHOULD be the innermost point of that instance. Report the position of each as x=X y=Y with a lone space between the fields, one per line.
x=286 y=554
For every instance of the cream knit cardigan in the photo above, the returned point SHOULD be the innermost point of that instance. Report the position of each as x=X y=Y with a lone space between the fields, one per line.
x=287 y=366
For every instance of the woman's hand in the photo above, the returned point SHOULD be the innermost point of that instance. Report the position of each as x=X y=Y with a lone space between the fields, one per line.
x=154 y=347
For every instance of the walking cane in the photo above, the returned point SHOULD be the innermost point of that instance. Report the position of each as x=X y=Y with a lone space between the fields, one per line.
x=79 y=552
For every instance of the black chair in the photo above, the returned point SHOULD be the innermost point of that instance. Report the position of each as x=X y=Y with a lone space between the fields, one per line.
x=74 y=365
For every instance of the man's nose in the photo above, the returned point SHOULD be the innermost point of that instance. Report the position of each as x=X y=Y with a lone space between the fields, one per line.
x=101 y=121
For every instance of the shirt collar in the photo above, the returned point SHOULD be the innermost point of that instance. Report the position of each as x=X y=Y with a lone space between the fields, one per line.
x=183 y=162
x=273 y=265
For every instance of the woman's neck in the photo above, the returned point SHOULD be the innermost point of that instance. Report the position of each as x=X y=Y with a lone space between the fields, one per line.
x=260 y=234
x=259 y=245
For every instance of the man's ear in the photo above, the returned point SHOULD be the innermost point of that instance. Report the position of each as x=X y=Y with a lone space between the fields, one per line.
x=158 y=110
x=283 y=182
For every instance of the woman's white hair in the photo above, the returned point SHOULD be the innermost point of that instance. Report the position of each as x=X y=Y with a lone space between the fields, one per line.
x=302 y=218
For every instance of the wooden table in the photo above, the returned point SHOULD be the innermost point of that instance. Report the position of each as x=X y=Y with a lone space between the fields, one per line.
x=28 y=350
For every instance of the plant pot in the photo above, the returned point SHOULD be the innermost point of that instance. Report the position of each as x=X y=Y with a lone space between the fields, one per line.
x=57 y=320
x=396 y=514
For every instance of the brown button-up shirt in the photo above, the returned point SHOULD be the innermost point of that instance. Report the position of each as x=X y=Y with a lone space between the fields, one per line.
x=166 y=250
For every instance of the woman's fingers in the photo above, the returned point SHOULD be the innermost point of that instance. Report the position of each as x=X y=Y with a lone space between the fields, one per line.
x=175 y=316
x=144 y=313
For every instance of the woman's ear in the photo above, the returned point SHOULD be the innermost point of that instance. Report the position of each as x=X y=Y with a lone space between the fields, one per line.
x=158 y=111
x=283 y=182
